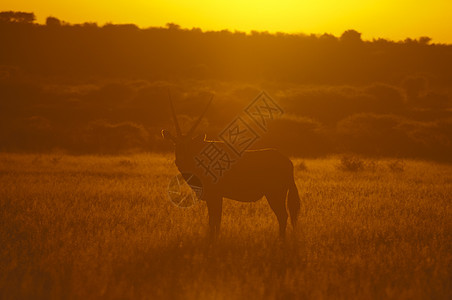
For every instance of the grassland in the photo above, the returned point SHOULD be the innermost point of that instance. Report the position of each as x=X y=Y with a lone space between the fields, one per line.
x=103 y=227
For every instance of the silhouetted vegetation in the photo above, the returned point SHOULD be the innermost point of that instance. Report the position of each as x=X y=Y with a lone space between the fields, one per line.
x=351 y=163
x=85 y=88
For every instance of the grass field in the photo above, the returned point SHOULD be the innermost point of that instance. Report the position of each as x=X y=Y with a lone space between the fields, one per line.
x=103 y=227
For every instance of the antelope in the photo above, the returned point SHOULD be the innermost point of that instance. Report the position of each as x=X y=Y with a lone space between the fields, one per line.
x=257 y=173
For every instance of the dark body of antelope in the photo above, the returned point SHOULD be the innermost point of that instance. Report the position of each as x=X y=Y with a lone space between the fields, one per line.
x=257 y=173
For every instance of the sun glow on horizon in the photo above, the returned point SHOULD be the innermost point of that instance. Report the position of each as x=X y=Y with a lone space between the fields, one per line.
x=384 y=18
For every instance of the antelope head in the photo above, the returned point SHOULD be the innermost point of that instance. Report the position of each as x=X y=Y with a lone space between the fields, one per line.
x=187 y=146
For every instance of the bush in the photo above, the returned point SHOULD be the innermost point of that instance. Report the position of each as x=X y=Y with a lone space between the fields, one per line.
x=351 y=163
x=104 y=137
x=127 y=163
x=301 y=166
x=396 y=166
x=372 y=165
x=56 y=159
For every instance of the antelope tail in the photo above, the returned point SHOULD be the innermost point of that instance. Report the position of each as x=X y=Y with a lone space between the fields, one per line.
x=293 y=202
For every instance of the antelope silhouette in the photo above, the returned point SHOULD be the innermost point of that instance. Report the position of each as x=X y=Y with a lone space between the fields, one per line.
x=257 y=173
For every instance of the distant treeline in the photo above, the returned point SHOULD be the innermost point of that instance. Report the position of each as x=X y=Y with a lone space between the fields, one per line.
x=86 y=88
x=82 y=50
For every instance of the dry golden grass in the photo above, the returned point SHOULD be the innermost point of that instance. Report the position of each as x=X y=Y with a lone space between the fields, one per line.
x=91 y=227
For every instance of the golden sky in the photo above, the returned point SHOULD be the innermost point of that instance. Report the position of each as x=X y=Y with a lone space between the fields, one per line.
x=393 y=19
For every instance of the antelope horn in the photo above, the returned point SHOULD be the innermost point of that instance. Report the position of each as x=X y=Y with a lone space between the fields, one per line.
x=200 y=118
x=173 y=112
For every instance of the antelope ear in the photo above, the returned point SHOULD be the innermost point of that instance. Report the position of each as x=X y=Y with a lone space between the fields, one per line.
x=200 y=137
x=168 y=136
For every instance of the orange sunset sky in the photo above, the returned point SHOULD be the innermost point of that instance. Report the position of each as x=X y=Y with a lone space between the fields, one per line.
x=392 y=19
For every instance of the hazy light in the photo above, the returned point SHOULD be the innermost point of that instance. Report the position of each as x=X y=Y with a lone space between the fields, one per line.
x=374 y=18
